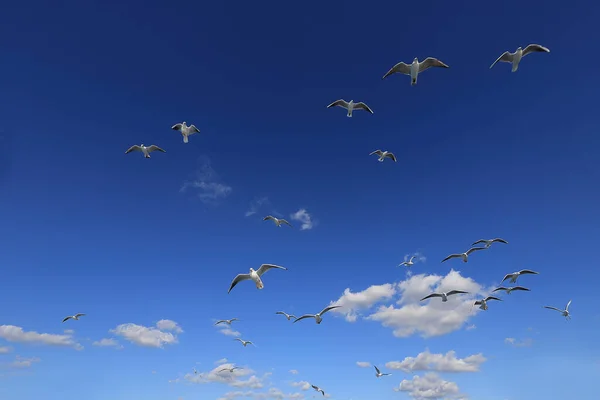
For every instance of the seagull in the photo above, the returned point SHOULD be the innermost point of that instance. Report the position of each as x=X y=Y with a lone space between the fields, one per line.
x=185 y=130
x=488 y=243
x=254 y=275
x=444 y=296
x=144 y=149
x=318 y=317
x=483 y=303
x=465 y=255
x=383 y=154
x=227 y=321
x=515 y=58
x=565 y=313
x=318 y=389
x=75 y=317
x=288 y=316
x=278 y=221
x=415 y=68
x=195 y=372
x=350 y=106
x=515 y=275
x=231 y=369
x=408 y=263
x=378 y=373
x=245 y=342
x=510 y=289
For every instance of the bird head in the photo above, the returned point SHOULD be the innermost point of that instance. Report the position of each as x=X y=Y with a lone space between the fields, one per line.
x=183 y=123
x=416 y=59
x=251 y=270
x=519 y=48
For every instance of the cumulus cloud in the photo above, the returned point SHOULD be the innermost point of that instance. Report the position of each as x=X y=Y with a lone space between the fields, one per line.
x=448 y=362
x=430 y=387
x=206 y=183
x=363 y=364
x=107 y=342
x=16 y=334
x=227 y=331
x=302 y=385
x=255 y=205
x=294 y=371
x=149 y=336
x=351 y=303
x=471 y=327
x=304 y=218
x=518 y=343
x=5 y=349
x=233 y=379
x=23 y=362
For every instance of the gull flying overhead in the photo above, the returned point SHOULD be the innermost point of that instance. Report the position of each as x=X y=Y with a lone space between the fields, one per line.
x=565 y=313
x=515 y=58
x=288 y=316
x=444 y=296
x=407 y=263
x=278 y=221
x=185 y=130
x=383 y=154
x=245 y=342
x=144 y=149
x=318 y=317
x=483 y=302
x=195 y=372
x=254 y=275
x=318 y=389
x=232 y=368
x=488 y=243
x=378 y=372
x=510 y=289
x=75 y=317
x=226 y=321
x=415 y=68
x=350 y=106
x=515 y=275
x=465 y=255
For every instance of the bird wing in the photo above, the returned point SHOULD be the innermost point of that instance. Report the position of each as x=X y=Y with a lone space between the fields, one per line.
x=568 y=304
x=265 y=267
x=224 y=369
x=155 y=148
x=239 y=340
x=283 y=221
x=303 y=317
x=315 y=387
x=505 y=57
x=281 y=312
x=323 y=311
x=233 y=319
x=362 y=106
x=238 y=279
x=527 y=271
x=291 y=316
x=192 y=129
x=431 y=296
x=492 y=298
x=450 y=293
x=177 y=127
x=401 y=68
x=479 y=241
x=269 y=217
x=477 y=303
x=507 y=276
x=532 y=48
x=403 y=263
x=393 y=157
x=412 y=258
x=431 y=62
x=79 y=315
x=451 y=256
x=340 y=103
x=520 y=288
x=220 y=322
x=500 y=240
x=553 y=308
x=378 y=152
x=377 y=369
x=135 y=147
x=500 y=288
x=472 y=249
x=67 y=318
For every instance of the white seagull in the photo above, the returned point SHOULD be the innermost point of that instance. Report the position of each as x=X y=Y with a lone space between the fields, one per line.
x=383 y=154
x=415 y=68
x=245 y=342
x=195 y=372
x=318 y=389
x=378 y=372
x=515 y=58
x=488 y=243
x=318 y=317
x=444 y=296
x=408 y=263
x=226 y=321
x=565 y=313
x=185 y=130
x=465 y=255
x=288 y=316
x=254 y=275
x=144 y=149
x=230 y=369
x=350 y=106
x=75 y=317
x=510 y=289
x=483 y=302
x=515 y=275
x=278 y=221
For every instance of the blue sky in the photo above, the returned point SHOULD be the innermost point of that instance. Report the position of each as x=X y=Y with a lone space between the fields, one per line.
x=481 y=153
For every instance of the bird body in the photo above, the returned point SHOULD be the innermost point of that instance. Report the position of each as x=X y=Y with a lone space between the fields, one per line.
x=483 y=302
x=277 y=221
x=288 y=316
x=508 y=290
x=489 y=242
x=383 y=155
x=565 y=313
x=318 y=316
x=185 y=130
x=464 y=256
x=145 y=150
x=75 y=317
x=350 y=106
x=515 y=275
x=408 y=263
x=515 y=58
x=415 y=68
x=254 y=276
x=378 y=372
x=444 y=295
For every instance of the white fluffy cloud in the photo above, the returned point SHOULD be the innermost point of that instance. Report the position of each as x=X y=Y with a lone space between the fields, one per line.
x=363 y=364
x=207 y=184
x=233 y=379
x=302 y=385
x=227 y=331
x=448 y=362
x=24 y=362
x=107 y=342
x=16 y=334
x=304 y=218
x=429 y=387
x=518 y=343
x=352 y=303
x=149 y=336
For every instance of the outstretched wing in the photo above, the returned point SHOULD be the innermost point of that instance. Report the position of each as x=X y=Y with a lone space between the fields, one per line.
x=303 y=317
x=220 y=322
x=472 y=249
x=430 y=296
x=533 y=48
x=238 y=279
x=492 y=298
x=177 y=127
x=527 y=271
x=499 y=240
x=135 y=147
x=520 y=288
x=553 y=308
x=568 y=304
x=323 y=311
x=507 y=276
x=155 y=148
x=400 y=68
x=192 y=129
x=393 y=157
x=505 y=57
x=362 y=106
x=378 y=152
x=451 y=256
x=339 y=103
x=265 y=267
x=450 y=293
x=431 y=62
x=500 y=288
x=283 y=221
x=67 y=318
x=377 y=369
x=479 y=241
x=79 y=315
x=270 y=217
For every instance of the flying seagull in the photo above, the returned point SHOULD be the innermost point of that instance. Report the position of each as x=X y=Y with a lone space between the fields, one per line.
x=383 y=154
x=245 y=342
x=378 y=372
x=408 y=263
x=515 y=58
x=565 y=313
x=444 y=296
x=350 y=106
x=415 y=68
x=75 y=317
x=465 y=255
x=144 y=149
x=318 y=317
x=318 y=389
x=288 y=316
x=483 y=302
x=230 y=369
x=185 y=130
x=488 y=243
x=510 y=289
x=195 y=372
x=226 y=321
x=515 y=275
x=278 y=221
x=254 y=275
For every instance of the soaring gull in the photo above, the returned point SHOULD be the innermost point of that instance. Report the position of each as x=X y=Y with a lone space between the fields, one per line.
x=515 y=275
x=483 y=302
x=226 y=321
x=278 y=221
x=185 y=130
x=318 y=317
x=350 y=106
x=232 y=368
x=444 y=296
x=408 y=263
x=144 y=149
x=245 y=342
x=465 y=255
x=75 y=317
x=515 y=58
x=254 y=275
x=489 y=242
x=288 y=316
x=565 y=313
x=318 y=389
x=383 y=155
x=378 y=372
x=415 y=68
x=510 y=289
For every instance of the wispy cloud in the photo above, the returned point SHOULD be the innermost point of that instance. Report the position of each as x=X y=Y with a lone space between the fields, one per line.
x=149 y=336
x=363 y=364
x=107 y=342
x=448 y=362
x=226 y=330
x=221 y=361
x=294 y=371
x=471 y=327
x=16 y=334
x=518 y=343
x=206 y=182
x=255 y=205
x=5 y=349
x=24 y=362
x=418 y=257
x=304 y=218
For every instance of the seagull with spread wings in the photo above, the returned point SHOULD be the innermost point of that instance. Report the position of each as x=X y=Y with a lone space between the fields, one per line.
x=408 y=263
x=185 y=130
x=445 y=295
x=515 y=58
x=383 y=155
x=483 y=302
x=464 y=256
x=245 y=342
x=75 y=317
x=489 y=242
x=378 y=372
x=565 y=313
x=288 y=316
x=278 y=221
x=515 y=275
x=226 y=321
x=508 y=290
x=350 y=106
x=318 y=316
x=415 y=68
x=318 y=389
x=231 y=369
x=145 y=150
x=254 y=276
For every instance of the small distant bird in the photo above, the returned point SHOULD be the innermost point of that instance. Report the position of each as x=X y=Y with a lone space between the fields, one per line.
x=444 y=296
x=144 y=149
x=75 y=317
x=565 y=313
x=244 y=342
x=195 y=372
x=318 y=316
x=232 y=368
x=227 y=321
x=515 y=275
x=185 y=130
x=350 y=106
x=278 y=221
x=465 y=255
x=378 y=373
x=254 y=275
x=383 y=154
x=488 y=243
x=288 y=316
x=415 y=68
x=318 y=389
x=510 y=289
x=483 y=302
x=408 y=263
x=515 y=58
